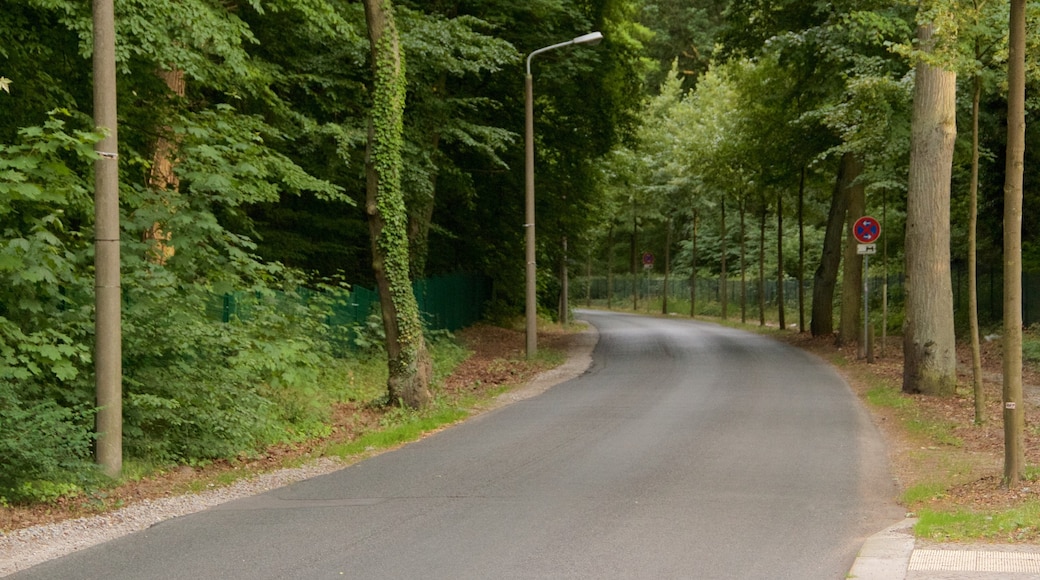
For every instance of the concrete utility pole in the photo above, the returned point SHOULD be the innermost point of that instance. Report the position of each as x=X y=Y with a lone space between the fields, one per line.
x=108 y=365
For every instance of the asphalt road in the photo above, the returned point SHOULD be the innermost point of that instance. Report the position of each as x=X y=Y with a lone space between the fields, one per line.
x=686 y=450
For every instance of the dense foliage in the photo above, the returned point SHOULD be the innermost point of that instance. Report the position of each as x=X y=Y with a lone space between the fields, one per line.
x=708 y=131
x=242 y=136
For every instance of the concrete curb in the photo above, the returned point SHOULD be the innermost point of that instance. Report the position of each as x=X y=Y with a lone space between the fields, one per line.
x=886 y=554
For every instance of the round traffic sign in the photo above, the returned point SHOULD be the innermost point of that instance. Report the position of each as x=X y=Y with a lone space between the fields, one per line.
x=866 y=230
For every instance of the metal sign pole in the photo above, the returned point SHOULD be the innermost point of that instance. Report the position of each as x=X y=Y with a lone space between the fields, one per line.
x=866 y=308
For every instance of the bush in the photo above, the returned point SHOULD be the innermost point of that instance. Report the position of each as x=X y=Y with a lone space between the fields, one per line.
x=44 y=448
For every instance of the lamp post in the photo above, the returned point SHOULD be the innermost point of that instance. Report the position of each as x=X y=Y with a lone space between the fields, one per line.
x=531 y=308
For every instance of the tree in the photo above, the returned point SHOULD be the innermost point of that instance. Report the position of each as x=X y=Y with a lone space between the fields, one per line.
x=1014 y=407
x=826 y=276
x=928 y=335
x=407 y=357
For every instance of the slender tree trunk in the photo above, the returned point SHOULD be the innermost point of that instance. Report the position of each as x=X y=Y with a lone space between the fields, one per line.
x=825 y=279
x=407 y=358
x=973 y=220
x=781 y=319
x=564 y=285
x=610 y=267
x=852 y=272
x=762 y=264
x=743 y=260
x=929 y=353
x=633 y=261
x=667 y=267
x=1014 y=406
x=588 y=281
x=693 y=265
x=801 y=251
x=723 y=282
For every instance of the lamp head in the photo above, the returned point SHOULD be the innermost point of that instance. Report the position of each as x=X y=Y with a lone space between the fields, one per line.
x=591 y=38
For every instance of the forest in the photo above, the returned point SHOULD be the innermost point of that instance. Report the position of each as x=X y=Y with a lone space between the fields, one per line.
x=734 y=141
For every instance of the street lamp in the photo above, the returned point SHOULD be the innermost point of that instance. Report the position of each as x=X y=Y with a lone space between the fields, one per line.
x=531 y=309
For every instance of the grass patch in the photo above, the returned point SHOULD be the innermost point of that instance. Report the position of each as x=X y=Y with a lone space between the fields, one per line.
x=395 y=432
x=939 y=432
x=888 y=397
x=923 y=492
x=1014 y=525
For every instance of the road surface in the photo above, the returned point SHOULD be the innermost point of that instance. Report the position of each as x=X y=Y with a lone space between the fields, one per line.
x=687 y=450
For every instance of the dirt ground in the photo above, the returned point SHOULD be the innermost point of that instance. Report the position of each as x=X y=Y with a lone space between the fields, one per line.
x=971 y=459
x=967 y=457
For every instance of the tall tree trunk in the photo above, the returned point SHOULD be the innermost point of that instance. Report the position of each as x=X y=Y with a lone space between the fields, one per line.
x=852 y=271
x=826 y=277
x=588 y=281
x=693 y=264
x=781 y=319
x=1014 y=407
x=762 y=263
x=801 y=251
x=634 y=260
x=973 y=221
x=610 y=267
x=407 y=358
x=723 y=282
x=667 y=267
x=743 y=260
x=929 y=355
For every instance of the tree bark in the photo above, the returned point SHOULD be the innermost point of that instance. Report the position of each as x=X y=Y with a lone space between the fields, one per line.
x=693 y=264
x=407 y=358
x=723 y=281
x=781 y=318
x=825 y=279
x=610 y=267
x=743 y=259
x=801 y=251
x=762 y=263
x=852 y=271
x=667 y=267
x=973 y=221
x=929 y=353
x=1014 y=407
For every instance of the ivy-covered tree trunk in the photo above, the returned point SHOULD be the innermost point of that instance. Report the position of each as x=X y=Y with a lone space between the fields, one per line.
x=407 y=357
x=929 y=355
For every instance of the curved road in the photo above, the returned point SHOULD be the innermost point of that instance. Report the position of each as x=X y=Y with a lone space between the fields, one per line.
x=686 y=450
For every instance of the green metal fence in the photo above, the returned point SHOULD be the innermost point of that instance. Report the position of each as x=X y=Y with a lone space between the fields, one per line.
x=445 y=302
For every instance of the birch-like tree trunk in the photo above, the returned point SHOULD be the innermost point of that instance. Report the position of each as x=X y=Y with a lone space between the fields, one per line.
x=929 y=351
x=407 y=357
x=1014 y=406
x=973 y=276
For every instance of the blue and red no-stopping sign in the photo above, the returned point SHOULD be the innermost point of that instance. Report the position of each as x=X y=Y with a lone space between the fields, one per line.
x=866 y=230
